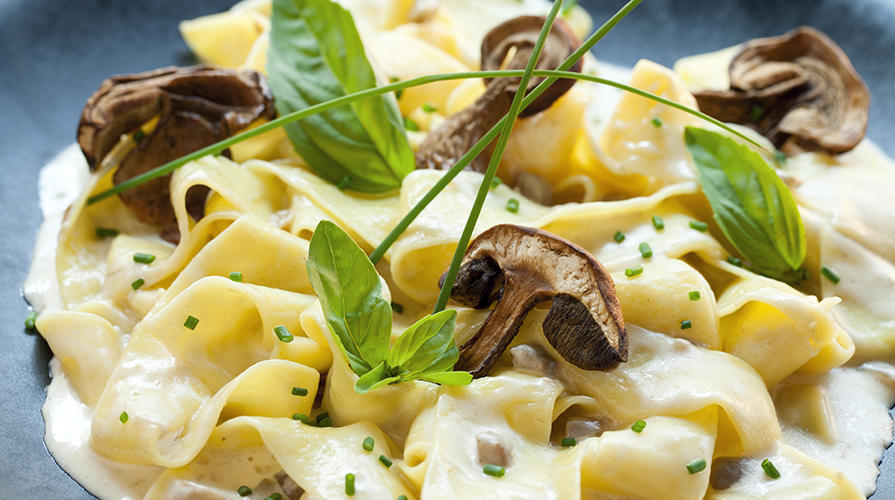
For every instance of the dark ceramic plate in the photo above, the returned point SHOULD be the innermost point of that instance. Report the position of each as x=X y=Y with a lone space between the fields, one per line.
x=53 y=55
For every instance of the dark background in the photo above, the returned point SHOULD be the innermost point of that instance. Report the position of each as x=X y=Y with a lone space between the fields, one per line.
x=53 y=55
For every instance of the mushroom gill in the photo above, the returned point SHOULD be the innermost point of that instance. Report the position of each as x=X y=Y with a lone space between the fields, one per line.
x=519 y=267
x=195 y=106
x=514 y=40
x=799 y=90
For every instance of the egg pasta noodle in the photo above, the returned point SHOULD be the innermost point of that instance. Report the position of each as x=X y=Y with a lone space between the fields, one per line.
x=762 y=373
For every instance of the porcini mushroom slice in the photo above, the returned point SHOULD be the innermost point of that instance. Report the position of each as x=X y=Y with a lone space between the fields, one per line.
x=520 y=267
x=196 y=107
x=799 y=90
x=516 y=38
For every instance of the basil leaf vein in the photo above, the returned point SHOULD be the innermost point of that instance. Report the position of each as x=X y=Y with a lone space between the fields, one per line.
x=316 y=55
x=752 y=206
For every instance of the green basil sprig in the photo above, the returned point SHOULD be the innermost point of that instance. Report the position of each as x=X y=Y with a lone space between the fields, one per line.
x=751 y=205
x=315 y=56
x=360 y=319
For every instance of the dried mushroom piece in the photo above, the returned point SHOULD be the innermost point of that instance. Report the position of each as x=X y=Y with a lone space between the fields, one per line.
x=520 y=267
x=799 y=90
x=514 y=40
x=195 y=106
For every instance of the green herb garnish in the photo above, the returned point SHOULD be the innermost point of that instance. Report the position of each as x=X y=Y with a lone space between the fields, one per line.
x=411 y=125
x=301 y=417
x=30 y=319
x=735 y=261
x=513 y=205
x=139 y=135
x=144 y=258
x=349 y=484
x=656 y=121
x=694 y=295
x=696 y=466
x=828 y=273
x=274 y=496
x=752 y=206
x=360 y=319
x=237 y=277
x=243 y=491
x=428 y=108
x=137 y=284
x=638 y=426
x=699 y=226
x=369 y=443
x=315 y=56
x=299 y=391
x=191 y=322
x=567 y=7
x=123 y=417
x=495 y=182
x=398 y=308
x=283 y=334
x=568 y=442
x=494 y=470
x=658 y=223
x=633 y=271
x=619 y=237
x=645 y=250
x=686 y=324
x=385 y=461
x=769 y=469
x=104 y=232
x=756 y=113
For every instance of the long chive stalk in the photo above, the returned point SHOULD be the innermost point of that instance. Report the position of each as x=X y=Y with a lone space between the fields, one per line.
x=508 y=122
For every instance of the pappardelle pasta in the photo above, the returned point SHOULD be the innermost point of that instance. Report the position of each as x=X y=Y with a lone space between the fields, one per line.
x=207 y=368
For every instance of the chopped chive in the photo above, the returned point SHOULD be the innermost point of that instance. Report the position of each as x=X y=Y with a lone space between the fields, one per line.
x=696 y=466
x=104 y=232
x=344 y=183
x=494 y=470
x=694 y=296
x=411 y=125
x=756 y=113
x=301 y=417
x=568 y=442
x=735 y=261
x=495 y=182
x=828 y=273
x=638 y=426
x=699 y=226
x=513 y=205
x=283 y=334
x=398 y=308
x=658 y=223
x=769 y=469
x=123 y=417
x=30 y=319
x=657 y=122
x=235 y=276
x=633 y=271
x=645 y=250
x=349 y=484
x=144 y=258
x=139 y=135
x=243 y=491
x=191 y=322
x=326 y=422
x=428 y=108
x=137 y=284
x=312 y=423
x=299 y=391
x=398 y=92
x=385 y=461
x=369 y=443
x=780 y=158
x=402 y=497
x=686 y=324
x=322 y=416
x=274 y=496
x=619 y=237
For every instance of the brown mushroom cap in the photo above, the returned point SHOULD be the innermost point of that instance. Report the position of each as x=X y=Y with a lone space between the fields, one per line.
x=799 y=90
x=444 y=146
x=196 y=106
x=520 y=267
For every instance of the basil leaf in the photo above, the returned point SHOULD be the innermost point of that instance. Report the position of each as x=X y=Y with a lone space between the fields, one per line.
x=374 y=379
x=751 y=205
x=448 y=378
x=350 y=293
x=424 y=342
x=316 y=55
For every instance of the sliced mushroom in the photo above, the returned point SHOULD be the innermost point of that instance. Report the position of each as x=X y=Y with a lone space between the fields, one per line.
x=515 y=39
x=520 y=267
x=493 y=450
x=532 y=360
x=196 y=107
x=291 y=489
x=799 y=90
